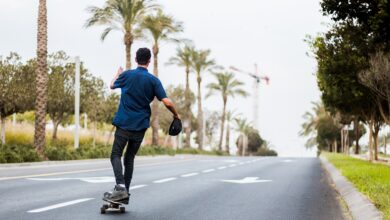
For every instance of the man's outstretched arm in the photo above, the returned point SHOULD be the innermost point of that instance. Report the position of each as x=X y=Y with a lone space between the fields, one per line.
x=171 y=107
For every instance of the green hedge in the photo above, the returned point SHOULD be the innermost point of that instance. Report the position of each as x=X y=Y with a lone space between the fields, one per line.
x=18 y=153
x=60 y=150
x=266 y=152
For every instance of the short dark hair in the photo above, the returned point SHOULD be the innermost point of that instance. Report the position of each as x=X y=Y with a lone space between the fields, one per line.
x=143 y=56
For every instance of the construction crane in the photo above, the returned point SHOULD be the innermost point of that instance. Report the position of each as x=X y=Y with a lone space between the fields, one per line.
x=256 y=85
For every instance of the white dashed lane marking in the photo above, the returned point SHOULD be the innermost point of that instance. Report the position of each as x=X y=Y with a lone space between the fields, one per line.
x=208 y=171
x=221 y=168
x=164 y=180
x=59 y=205
x=137 y=187
x=189 y=174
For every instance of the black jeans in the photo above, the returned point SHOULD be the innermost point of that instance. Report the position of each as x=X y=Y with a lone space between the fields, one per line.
x=133 y=140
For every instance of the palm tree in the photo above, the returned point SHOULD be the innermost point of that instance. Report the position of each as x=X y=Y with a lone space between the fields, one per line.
x=230 y=116
x=312 y=118
x=183 y=59
x=121 y=15
x=161 y=27
x=243 y=127
x=227 y=86
x=41 y=80
x=200 y=62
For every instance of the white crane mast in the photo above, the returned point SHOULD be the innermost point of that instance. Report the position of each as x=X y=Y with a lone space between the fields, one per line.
x=256 y=88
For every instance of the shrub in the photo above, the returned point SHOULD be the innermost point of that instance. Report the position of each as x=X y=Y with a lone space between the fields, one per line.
x=12 y=153
x=266 y=152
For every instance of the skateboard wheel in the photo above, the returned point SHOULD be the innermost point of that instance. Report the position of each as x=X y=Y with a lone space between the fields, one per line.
x=105 y=206
x=122 y=209
x=102 y=210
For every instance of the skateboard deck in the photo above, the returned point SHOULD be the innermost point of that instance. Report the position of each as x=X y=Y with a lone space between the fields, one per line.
x=109 y=205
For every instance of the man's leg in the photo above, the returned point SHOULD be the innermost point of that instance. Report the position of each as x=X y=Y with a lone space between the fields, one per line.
x=135 y=141
x=120 y=142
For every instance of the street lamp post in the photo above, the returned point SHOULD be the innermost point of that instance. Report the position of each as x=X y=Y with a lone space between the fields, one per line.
x=77 y=104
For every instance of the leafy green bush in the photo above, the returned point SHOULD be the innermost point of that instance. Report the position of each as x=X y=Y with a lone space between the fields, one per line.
x=155 y=150
x=263 y=151
x=203 y=152
x=11 y=153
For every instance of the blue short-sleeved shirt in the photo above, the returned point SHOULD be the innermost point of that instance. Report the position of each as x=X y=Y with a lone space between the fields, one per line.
x=138 y=88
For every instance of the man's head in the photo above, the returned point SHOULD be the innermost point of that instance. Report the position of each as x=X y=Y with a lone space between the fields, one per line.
x=143 y=56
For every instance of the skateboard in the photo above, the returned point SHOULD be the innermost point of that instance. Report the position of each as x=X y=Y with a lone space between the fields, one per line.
x=112 y=206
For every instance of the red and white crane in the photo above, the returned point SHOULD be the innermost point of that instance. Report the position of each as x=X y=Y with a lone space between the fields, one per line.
x=257 y=78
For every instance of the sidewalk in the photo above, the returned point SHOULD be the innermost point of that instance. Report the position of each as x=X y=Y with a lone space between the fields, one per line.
x=382 y=160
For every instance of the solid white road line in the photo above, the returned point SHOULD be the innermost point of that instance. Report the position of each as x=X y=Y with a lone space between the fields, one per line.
x=221 y=168
x=208 y=171
x=164 y=180
x=137 y=187
x=189 y=174
x=59 y=205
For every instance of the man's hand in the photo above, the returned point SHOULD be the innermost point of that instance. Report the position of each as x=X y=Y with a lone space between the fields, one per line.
x=118 y=73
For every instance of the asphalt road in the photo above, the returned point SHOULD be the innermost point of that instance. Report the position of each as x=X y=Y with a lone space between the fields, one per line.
x=181 y=187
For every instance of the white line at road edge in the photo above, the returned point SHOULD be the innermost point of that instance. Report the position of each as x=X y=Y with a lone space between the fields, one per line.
x=164 y=180
x=208 y=171
x=189 y=174
x=137 y=187
x=59 y=205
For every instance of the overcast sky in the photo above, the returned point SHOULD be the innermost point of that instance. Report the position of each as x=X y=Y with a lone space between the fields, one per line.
x=239 y=33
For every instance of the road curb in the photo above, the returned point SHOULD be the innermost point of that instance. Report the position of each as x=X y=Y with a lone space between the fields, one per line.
x=360 y=207
x=100 y=160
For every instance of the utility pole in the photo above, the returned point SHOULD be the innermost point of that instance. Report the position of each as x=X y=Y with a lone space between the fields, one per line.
x=77 y=104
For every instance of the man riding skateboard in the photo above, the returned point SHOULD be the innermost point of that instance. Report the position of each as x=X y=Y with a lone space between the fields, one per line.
x=138 y=90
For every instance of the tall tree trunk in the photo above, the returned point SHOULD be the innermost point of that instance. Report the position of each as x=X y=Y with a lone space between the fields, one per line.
x=342 y=140
x=244 y=145
x=56 y=123
x=41 y=80
x=375 y=137
x=94 y=134
x=356 y=128
x=109 y=135
x=200 y=114
x=375 y=146
x=370 y=140
x=239 y=145
x=2 y=133
x=222 y=123
x=188 y=109
x=155 y=125
x=128 y=40
x=227 y=144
